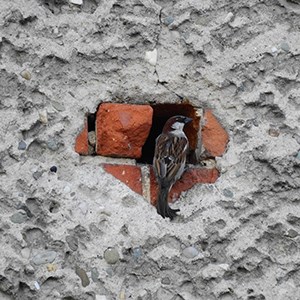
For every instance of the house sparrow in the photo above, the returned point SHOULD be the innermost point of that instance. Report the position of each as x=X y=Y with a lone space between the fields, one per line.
x=169 y=161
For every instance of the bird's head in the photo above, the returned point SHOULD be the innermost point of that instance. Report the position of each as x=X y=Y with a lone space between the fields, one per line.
x=176 y=123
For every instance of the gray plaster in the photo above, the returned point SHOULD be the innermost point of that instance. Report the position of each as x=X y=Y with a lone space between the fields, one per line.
x=60 y=59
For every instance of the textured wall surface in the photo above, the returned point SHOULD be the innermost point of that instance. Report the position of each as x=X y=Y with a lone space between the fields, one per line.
x=235 y=239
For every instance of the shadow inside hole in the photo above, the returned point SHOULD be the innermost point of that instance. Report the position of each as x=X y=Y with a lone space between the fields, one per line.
x=161 y=113
x=91 y=120
x=91 y=126
x=54 y=207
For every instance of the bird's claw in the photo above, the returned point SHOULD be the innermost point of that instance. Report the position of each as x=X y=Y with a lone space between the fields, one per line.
x=169 y=213
x=172 y=213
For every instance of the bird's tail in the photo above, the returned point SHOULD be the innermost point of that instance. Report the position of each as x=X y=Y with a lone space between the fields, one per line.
x=162 y=205
x=162 y=201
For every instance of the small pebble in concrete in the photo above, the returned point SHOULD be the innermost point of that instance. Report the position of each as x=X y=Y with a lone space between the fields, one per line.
x=72 y=242
x=292 y=219
x=22 y=145
x=83 y=276
x=77 y=2
x=52 y=144
x=19 y=217
x=143 y=294
x=58 y=106
x=110 y=272
x=53 y=169
x=43 y=117
x=137 y=253
x=51 y=267
x=285 y=46
x=95 y=274
x=151 y=57
x=274 y=50
x=44 y=257
x=292 y=233
x=214 y=271
x=101 y=297
x=273 y=132
x=111 y=256
x=25 y=253
x=67 y=189
x=83 y=207
x=29 y=270
x=26 y=75
x=228 y=193
x=2 y=170
x=166 y=280
x=255 y=122
x=37 y=285
x=190 y=252
x=168 y=20
x=36 y=175
x=122 y=295
x=229 y=17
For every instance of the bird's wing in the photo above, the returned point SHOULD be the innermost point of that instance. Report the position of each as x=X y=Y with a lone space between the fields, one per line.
x=169 y=157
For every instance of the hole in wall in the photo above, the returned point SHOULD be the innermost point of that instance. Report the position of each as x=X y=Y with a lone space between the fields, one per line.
x=91 y=119
x=213 y=136
x=120 y=127
x=91 y=126
x=161 y=113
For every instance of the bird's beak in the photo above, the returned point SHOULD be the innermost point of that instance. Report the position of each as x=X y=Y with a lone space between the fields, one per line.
x=187 y=120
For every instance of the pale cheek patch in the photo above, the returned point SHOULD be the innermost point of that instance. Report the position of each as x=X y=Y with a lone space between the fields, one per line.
x=177 y=126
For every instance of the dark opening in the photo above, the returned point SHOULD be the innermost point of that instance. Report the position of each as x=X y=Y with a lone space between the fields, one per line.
x=91 y=125
x=91 y=120
x=161 y=113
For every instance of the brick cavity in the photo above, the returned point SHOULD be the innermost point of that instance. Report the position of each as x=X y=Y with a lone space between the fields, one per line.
x=161 y=113
x=130 y=131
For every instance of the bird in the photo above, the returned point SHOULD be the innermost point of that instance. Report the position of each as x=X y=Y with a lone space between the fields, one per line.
x=171 y=148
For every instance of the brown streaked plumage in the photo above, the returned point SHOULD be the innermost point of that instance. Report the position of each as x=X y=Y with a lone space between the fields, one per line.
x=169 y=161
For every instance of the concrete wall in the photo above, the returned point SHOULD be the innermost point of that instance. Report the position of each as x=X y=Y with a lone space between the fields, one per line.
x=78 y=233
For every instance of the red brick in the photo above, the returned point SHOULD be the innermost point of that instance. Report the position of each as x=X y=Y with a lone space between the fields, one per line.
x=81 y=142
x=188 y=180
x=192 y=177
x=130 y=175
x=122 y=129
x=214 y=136
x=153 y=187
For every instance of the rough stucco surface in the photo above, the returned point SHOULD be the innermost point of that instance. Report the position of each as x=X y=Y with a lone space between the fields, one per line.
x=59 y=60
